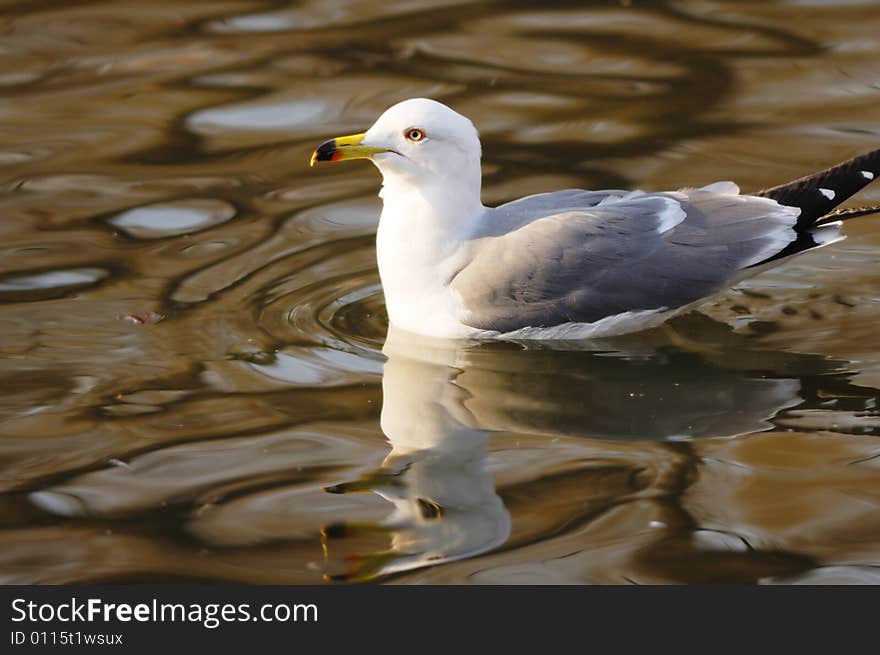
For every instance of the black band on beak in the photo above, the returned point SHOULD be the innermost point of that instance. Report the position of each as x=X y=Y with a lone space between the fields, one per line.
x=325 y=151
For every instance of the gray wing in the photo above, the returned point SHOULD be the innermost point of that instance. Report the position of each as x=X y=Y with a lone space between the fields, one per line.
x=541 y=262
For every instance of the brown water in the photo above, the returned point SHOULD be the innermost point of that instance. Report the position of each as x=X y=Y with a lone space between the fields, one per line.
x=153 y=163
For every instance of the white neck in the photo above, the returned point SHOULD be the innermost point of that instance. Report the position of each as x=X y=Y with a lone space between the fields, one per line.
x=419 y=244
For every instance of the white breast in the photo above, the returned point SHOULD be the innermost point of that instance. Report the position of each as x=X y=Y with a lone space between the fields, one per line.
x=418 y=255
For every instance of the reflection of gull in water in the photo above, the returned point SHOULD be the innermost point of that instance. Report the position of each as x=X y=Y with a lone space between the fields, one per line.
x=436 y=476
x=569 y=264
x=443 y=398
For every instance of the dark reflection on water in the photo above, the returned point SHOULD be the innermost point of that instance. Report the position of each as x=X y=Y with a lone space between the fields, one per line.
x=155 y=165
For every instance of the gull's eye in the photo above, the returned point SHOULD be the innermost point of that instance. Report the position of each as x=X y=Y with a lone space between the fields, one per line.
x=414 y=134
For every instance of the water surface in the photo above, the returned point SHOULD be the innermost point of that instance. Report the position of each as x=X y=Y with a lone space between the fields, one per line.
x=196 y=380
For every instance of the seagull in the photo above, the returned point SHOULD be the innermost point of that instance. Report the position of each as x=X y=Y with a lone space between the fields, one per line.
x=570 y=264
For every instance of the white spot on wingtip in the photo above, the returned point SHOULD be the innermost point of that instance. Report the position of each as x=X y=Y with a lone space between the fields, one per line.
x=828 y=193
x=868 y=175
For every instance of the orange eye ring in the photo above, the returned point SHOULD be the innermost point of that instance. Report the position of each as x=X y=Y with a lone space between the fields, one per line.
x=414 y=134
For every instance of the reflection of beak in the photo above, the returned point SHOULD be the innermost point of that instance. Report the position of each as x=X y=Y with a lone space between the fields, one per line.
x=342 y=148
x=365 y=483
x=360 y=567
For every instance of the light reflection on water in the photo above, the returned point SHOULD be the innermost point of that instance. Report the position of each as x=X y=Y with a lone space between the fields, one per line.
x=156 y=161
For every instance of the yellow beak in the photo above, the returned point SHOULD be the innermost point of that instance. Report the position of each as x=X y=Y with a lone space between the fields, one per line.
x=342 y=148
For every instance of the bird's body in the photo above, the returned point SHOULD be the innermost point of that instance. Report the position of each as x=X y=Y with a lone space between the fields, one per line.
x=572 y=263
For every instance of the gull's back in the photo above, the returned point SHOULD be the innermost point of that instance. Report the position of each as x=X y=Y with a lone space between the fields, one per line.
x=581 y=257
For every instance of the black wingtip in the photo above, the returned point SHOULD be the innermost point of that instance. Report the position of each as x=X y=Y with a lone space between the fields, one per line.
x=818 y=194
